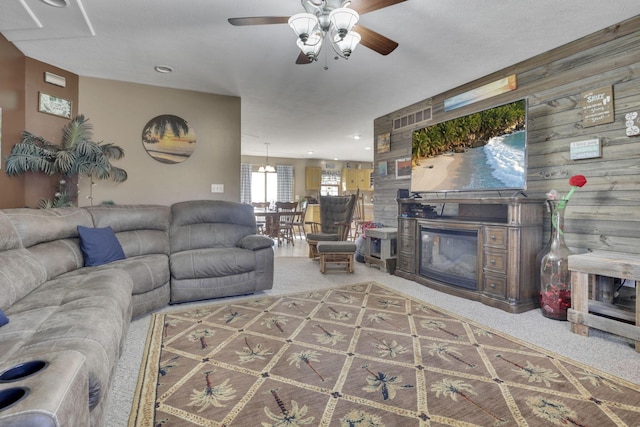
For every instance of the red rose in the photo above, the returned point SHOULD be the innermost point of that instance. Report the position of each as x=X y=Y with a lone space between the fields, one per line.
x=577 y=181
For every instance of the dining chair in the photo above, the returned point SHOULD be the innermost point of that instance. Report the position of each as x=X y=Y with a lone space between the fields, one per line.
x=260 y=223
x=286 y=215
x=298 y=221
x=358 y=219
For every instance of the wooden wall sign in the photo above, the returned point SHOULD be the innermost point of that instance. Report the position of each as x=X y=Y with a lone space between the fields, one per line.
x=597 y=106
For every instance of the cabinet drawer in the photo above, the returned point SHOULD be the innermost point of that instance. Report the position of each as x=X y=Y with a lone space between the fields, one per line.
x=494 y=285
x=495 y=261
x=495 y=237
x=406 y=244
x=407 y=228
x=406 y=262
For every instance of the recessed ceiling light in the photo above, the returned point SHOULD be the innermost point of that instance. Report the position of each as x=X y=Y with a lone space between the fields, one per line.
x=56 y=3
x=335 y=158
x=356 y=137
x=309 y=152
x=164 y=69
x=367 y=148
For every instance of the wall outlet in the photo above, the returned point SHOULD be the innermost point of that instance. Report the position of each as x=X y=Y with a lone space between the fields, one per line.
x=217 y=188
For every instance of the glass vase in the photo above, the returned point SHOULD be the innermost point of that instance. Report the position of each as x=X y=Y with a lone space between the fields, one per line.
x=555 y=277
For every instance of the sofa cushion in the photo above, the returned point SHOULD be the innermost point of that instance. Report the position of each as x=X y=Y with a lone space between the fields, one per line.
x=89 y=313
x=255 y=242
x=46 y=225
x=209 y=224
x=213 y=262
x=99 y=246
x=51 y=235
x=3 y=318
x=140 y=229
x=20 y=273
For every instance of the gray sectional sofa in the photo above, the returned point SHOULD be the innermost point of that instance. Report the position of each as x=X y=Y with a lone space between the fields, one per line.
x=68 y=322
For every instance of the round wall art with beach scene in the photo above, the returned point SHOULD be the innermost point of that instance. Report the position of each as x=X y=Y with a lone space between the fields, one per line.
x=169 y=139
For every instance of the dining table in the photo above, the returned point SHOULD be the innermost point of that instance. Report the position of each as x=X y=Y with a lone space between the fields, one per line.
x=271 y=219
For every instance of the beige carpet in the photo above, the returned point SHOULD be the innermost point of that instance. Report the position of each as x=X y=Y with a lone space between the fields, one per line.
x=360 y=355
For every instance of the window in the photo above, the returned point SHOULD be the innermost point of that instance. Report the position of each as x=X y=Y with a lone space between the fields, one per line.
x=330 y=183
x=264 y=187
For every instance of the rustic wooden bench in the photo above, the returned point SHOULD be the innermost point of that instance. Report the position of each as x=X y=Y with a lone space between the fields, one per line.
x=584 y=269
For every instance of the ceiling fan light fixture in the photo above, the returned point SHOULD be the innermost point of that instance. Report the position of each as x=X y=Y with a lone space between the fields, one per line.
x=343 y=20
x=348 y=44
x=311 y=48
x=304 y=25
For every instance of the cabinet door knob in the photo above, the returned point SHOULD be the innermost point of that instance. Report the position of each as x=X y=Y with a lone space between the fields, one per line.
x=492 y=285
x=492 y=237
x=492 y=261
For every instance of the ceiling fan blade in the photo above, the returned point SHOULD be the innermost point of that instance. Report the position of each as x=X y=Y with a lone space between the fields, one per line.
x=366 y=6
x=375 y=41
x=302 y=59
x=259 y=20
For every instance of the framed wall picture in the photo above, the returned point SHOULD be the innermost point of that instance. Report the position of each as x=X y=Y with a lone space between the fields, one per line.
x=382 y=168
x=169 y=139
x=53 y=105
x=383 y=143
x=403 y=168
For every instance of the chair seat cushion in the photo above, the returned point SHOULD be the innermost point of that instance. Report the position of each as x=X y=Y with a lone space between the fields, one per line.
x=333 y=247
x=321 y=237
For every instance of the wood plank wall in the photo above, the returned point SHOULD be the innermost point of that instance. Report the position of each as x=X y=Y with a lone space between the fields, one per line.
x=604 y=214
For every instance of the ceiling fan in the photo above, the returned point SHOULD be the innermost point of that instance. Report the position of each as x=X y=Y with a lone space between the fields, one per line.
x=335 y=19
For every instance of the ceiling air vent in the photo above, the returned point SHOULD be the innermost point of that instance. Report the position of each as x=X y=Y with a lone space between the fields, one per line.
x=412 y=119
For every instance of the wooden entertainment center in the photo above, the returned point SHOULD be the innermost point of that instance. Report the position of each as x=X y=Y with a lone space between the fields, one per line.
x=509 y=235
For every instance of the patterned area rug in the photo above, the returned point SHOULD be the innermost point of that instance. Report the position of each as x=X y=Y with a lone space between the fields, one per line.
x=360 y=355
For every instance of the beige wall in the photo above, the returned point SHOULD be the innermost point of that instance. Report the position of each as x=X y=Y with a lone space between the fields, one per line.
x=299 y=165
x=119 y=111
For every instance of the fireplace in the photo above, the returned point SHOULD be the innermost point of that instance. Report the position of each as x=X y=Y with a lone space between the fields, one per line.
x=450 y=256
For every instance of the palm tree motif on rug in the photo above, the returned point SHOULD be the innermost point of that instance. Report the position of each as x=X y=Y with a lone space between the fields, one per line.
x=360 y=355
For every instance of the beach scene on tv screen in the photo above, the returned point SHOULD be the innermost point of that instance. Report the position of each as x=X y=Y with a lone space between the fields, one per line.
x=480 y=151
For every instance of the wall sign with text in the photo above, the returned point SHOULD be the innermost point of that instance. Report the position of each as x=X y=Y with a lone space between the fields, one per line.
x=597 y=106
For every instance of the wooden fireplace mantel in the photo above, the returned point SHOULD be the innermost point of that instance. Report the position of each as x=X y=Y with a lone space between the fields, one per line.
x=509 y=237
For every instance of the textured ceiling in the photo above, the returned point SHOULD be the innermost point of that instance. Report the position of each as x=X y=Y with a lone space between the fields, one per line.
x=300 y=108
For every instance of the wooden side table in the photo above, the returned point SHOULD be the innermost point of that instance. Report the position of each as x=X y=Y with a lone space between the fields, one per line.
x=385 y=257
x=584 y=268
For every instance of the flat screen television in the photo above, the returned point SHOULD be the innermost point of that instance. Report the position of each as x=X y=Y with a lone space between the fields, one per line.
x=482 y=151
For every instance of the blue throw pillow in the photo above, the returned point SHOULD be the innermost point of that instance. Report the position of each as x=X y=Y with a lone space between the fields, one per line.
x=99 y=246
x=3 y=318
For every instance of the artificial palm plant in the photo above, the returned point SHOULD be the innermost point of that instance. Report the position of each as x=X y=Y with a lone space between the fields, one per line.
x=78 y=154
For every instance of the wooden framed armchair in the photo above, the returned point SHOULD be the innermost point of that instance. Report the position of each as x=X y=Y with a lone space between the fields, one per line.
x=336 y=213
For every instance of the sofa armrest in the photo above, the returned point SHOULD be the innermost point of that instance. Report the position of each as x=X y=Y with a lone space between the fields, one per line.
x=57 y=395
x=255 y=242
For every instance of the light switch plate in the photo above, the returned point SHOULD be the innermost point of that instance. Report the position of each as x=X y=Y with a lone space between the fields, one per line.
x=217 y=188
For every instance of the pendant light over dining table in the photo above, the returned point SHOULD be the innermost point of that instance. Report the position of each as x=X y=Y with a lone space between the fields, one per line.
x=267 y=167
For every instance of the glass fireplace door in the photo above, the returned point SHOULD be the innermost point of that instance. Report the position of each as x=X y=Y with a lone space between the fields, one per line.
x=450 y=256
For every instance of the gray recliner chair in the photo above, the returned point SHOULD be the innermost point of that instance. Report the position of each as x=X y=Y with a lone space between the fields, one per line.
x=216 y=251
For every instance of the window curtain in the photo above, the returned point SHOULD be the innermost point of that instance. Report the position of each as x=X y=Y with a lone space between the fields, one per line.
x=285 y=183
x=245 y=183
